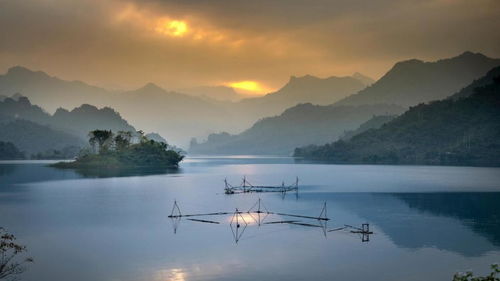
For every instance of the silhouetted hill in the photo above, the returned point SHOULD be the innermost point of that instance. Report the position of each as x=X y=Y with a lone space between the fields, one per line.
x=299 y=125
x=464 y=131
x=413 y=81
x=48 y=91
x=78 y=121
x=21 y=108
x=86 y=118
x=483 y=81
x=374 y=123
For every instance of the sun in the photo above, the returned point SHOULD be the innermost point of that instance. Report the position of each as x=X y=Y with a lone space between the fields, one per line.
x=175 y=28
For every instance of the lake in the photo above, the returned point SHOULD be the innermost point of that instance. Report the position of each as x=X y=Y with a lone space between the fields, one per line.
x=428 y=222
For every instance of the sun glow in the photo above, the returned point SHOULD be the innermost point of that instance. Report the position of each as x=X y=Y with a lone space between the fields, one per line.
x=174 y=28
x=250 y=87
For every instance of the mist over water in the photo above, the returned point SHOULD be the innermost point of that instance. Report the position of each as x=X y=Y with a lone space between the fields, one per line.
x=80 y=226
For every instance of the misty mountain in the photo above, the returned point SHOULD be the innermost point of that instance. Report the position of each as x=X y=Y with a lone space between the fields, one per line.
x=413 y=81
x=31 y=137
x=305 y=89
x=49 y=92
x=8 y=151
x=176 y=116
x=363 y=78
x=220 y=93
x=464 y=131
x=21 y=108
x=374 y=123
x=77 y=122
x=85 y=118
x=302 y=124
x=33 y=130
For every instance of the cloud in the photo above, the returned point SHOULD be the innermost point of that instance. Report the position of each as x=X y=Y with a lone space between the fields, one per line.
x=190 y=42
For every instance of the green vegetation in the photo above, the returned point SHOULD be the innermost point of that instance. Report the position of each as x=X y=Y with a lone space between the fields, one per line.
x=448 y=132
x=8 y=151
x=469 y=276
x=109 y=150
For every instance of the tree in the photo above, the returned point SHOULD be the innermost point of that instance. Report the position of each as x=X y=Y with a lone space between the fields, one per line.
x=122 y=140
x=102 y=138
x=10 y=263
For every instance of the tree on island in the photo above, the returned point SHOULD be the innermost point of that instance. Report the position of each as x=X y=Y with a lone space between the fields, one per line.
x=11 y=264
x=120 y=151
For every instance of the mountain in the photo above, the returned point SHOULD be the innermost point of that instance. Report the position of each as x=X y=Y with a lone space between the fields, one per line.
x=177 y=116
x=483 y=81
x=299 y=125
x=48 y=91
x=78 y=121
x=413 y=81
x=374 y=123
x=8 y=151
x=219 y=93
x=35 y=131
x=32 y=138
x=363 y=78
x=305 y=89
x=464 y=131
x=21 y=108
x=85 y=118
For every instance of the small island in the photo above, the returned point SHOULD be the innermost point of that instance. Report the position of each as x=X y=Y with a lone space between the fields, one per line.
x=123 y=150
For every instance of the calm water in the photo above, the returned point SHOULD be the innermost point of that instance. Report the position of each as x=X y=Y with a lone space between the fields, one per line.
x=428 y=222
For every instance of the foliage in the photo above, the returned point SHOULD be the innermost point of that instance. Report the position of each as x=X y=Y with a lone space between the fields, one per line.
x=448 y=132
x=468 y=276
x=118 y=151
x=9 y=151
x=10 y=253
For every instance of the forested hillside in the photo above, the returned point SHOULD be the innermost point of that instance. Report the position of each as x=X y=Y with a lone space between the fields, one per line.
x=465 y=131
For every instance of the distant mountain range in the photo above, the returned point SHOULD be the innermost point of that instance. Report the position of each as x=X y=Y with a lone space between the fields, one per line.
x=33 y=130
x=407 y=83
x=413 y=81
x=179 y=116
x=176 y=115
x=305 y=89
x=219 y=93
x=460 y=131
x=299 y=125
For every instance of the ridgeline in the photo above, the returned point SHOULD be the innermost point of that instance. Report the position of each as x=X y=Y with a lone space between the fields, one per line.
x=465 y=131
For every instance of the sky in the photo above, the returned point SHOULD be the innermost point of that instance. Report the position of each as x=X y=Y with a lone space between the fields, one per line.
x=254 y=45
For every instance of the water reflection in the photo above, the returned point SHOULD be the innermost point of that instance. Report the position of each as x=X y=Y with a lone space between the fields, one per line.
x=465 y=223
x=125 y=172
x=118 y=226
x=36 y=171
